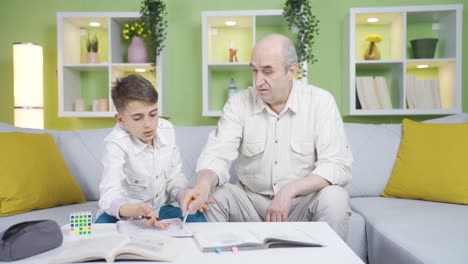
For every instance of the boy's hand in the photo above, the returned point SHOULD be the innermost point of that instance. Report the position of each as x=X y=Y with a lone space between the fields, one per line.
x=151 y=219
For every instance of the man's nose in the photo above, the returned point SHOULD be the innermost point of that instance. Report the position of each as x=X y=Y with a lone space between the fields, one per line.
x=259 y=82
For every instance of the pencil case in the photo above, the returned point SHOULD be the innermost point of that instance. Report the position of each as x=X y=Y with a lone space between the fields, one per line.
x=26 y=239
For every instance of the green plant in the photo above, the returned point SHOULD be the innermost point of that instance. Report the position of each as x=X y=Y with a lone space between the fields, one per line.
x=153 y=14
x=136 y=28
x=298 y=14
x=92 y=43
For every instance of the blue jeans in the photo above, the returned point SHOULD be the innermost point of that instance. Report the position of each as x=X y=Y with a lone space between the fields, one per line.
x=166 y=212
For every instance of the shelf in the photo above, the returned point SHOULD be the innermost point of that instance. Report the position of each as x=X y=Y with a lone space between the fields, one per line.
x=218 y=38
x=231 y=66
x=397 y=26
x=79 y=80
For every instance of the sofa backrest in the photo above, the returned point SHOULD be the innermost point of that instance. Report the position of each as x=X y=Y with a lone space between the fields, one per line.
x=374 y=149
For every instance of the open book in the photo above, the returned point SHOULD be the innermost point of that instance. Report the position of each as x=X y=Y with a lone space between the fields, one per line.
x=117 y=246
x=252 y=239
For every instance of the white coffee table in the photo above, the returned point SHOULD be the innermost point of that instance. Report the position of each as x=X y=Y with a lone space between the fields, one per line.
x=336 y=250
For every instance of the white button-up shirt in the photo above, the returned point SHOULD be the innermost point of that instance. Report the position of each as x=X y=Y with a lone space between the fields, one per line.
x=306 y=137
x=135 y=172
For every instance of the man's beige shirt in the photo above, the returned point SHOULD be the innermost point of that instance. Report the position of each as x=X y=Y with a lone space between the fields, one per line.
x=306 y=137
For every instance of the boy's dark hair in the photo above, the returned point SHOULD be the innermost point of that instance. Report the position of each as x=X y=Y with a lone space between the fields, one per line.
x=132 y=87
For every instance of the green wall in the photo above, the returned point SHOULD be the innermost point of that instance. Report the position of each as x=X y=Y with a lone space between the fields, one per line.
x=35 y=21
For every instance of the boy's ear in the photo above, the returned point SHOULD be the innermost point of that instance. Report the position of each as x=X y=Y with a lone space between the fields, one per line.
x=119 y=119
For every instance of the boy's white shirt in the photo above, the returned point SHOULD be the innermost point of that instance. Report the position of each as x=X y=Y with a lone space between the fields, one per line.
x=135 y=172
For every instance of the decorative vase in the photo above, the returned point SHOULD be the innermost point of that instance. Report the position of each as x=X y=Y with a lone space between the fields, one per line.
x=92 y=57
x=137 y=52
x=372 y=52
x=424 y=48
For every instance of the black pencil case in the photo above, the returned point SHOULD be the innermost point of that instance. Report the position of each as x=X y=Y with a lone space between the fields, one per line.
x=27 y=239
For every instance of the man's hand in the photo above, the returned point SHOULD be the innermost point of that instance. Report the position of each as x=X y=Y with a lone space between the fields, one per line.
x=196 y=199
x=278 y=209
x=206 y=179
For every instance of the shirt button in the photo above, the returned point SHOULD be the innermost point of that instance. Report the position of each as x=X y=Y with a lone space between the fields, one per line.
x=276 y=162
x=276 y=141
x=277 y=119
x=157 y=195
x=157 y=177
x=136 y=181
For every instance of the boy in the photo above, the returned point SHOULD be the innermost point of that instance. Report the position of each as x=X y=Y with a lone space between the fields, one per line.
x=142 y=168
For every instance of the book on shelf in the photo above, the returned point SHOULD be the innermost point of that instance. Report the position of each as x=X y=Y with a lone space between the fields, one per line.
x=119 y=247
x=372 y=92
x=410 y=91
x=175 y=228
x=422 y=94
x=254 y=239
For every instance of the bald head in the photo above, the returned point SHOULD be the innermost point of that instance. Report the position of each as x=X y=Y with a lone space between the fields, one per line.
x=278 y=44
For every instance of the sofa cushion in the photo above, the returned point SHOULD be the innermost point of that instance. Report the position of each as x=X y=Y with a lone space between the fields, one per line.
x=431 y=163
x=190 y=141
x=33 y=174
x=457 y=118
x=413 y=231
x=374 y=150
x=82 y=152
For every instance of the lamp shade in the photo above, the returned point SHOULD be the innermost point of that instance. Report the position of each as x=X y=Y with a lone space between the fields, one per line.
x=28 y=85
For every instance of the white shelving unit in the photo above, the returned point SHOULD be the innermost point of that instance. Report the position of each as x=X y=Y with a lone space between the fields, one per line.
x=80 y=80
x=398 y=26
x=217 y=38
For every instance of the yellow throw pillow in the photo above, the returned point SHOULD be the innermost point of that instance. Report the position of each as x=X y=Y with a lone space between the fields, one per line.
x=432 y=163
x=33 y=174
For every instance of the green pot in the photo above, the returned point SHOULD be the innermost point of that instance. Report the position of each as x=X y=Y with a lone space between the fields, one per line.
x=424 y=48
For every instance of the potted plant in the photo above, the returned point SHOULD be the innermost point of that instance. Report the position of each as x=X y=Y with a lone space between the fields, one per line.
x=92 y=48
x=137 y=52
x=153 y=14
x=301 y=21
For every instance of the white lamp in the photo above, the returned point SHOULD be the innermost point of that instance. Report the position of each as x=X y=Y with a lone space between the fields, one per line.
x=28 y=85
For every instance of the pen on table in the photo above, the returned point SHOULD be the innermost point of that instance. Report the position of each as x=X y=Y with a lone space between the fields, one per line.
x=148 y=217
x=186 y=213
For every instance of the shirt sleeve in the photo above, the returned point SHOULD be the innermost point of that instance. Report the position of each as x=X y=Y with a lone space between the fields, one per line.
x=113 y=173
x=223 y=143
x=334 y=157
x=176 y=180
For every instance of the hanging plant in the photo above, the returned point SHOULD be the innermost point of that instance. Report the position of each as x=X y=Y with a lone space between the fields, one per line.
x=153 y=13
x=301 y=21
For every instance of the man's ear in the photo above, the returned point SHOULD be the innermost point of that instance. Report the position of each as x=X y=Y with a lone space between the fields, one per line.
x=292 y=71
x=118 y=117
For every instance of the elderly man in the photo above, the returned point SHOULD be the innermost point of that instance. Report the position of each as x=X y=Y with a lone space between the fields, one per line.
x=293 y=155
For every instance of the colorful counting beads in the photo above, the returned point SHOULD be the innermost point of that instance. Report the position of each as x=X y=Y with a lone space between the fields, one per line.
x=81 y=223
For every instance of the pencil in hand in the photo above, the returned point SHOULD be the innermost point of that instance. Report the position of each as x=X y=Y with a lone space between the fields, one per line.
x=148 y=217
x=186 y=213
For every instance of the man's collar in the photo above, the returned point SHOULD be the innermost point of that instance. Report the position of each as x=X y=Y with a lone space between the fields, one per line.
x=292 y=102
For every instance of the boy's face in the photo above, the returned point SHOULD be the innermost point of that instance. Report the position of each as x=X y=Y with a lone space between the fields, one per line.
x=141 y=120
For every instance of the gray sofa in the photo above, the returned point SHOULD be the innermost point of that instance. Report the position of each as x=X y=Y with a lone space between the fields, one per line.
x=382 y=230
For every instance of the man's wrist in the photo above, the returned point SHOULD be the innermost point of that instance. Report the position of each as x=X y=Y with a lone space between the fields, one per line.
x=207 y=177
x=289 y=190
